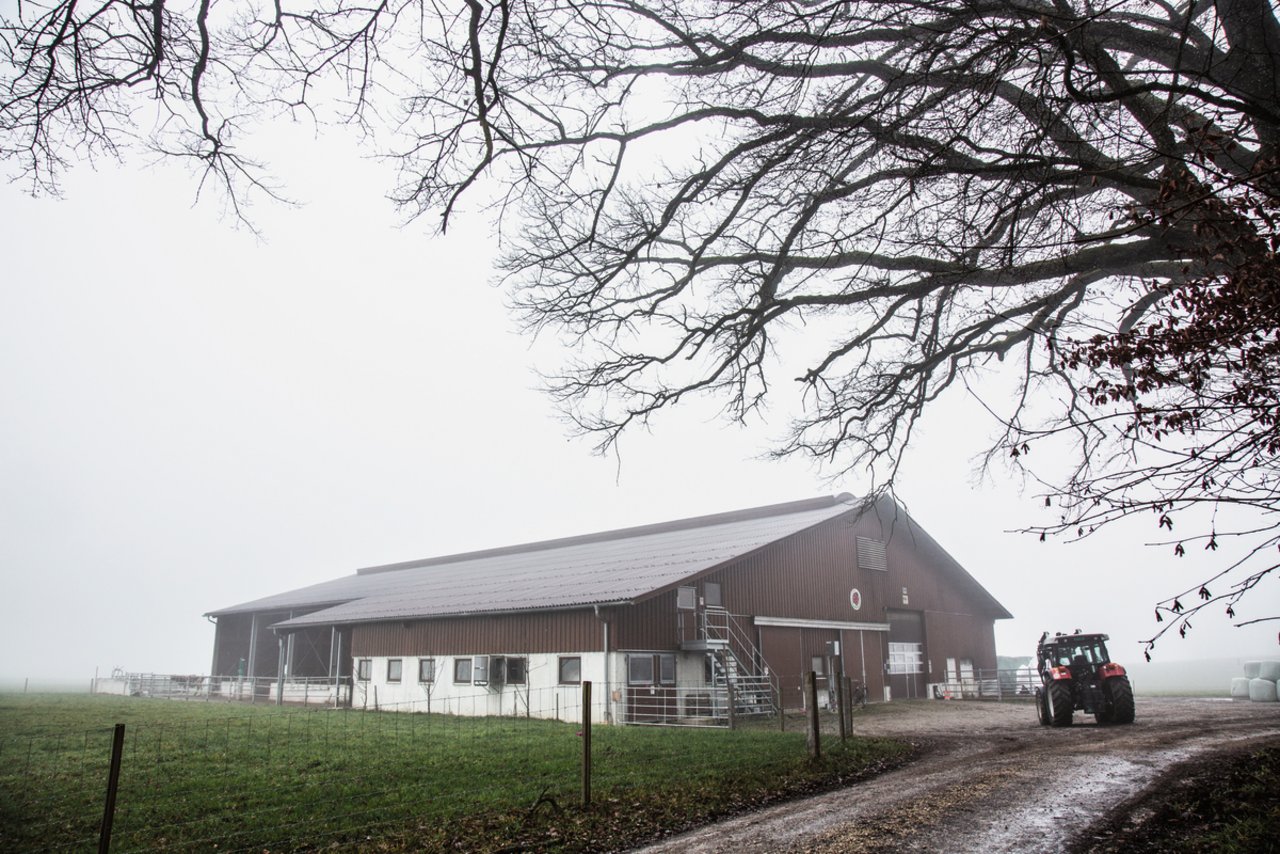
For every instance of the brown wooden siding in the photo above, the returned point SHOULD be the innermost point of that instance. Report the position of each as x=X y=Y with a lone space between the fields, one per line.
x=783 y=650
x=549 y=631
x=809 y=576
x=651 y=625
x=958 y=636
x=864 y=654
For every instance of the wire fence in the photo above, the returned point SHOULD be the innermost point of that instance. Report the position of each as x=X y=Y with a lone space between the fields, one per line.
x=236 y=777
x=226 y=770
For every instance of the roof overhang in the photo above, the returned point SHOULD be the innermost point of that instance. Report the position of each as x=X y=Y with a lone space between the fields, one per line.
x=795 y=623
x=283 y=626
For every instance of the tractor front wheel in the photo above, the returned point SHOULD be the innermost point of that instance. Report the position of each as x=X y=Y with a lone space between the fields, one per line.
x=1059 y=703
x=1042 y=706
x=1120 y=699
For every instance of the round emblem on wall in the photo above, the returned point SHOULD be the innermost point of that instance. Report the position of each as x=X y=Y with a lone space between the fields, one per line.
x=855 y=599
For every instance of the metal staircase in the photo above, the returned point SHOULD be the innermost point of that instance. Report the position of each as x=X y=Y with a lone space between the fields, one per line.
x=741 y=682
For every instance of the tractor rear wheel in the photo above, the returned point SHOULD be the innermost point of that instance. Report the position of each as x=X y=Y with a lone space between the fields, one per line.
x=1059 y=703
x=1120 y=699
x=1042 y=706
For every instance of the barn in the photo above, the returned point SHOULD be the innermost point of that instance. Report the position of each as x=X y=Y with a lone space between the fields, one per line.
x=669 y=621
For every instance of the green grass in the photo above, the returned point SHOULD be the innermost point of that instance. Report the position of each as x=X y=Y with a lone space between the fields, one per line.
x=206 y=776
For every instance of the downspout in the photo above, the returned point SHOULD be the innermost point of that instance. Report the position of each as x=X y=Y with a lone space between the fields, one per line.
x=608 y=688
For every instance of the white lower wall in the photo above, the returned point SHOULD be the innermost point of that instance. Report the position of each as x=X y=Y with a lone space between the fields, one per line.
x=542 y=695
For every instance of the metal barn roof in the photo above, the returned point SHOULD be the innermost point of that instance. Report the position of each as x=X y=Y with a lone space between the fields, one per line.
x=609 y=567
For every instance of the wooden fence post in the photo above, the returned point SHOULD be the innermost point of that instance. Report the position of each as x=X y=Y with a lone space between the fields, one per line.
x=811 y=700
x=586 y=744
x=113 y=785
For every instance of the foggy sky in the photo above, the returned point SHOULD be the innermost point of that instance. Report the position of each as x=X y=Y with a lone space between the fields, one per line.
x=193 y=417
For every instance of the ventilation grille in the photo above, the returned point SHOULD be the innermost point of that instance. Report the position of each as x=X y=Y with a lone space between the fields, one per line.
x=871 y=554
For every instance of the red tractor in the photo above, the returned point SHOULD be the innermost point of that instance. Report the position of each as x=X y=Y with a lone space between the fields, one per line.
x=1077 y=673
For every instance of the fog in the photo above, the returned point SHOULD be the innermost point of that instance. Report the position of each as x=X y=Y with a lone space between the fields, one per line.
x=195 y=417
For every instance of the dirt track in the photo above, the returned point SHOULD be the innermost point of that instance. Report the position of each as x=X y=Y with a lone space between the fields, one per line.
x=988 y=778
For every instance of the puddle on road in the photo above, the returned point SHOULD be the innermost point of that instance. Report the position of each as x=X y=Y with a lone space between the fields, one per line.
x=1071 y=798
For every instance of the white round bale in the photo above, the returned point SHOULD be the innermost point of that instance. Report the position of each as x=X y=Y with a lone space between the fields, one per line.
x=1239 y=688
x=1262 y=690
x=1269 y=669
x=1251 y=669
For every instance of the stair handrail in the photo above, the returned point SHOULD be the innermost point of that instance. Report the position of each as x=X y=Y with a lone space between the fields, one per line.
x=728 y=629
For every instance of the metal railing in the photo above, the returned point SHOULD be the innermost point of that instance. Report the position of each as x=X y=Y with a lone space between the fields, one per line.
x=306 y=691
x=741 y=680
x=1018 y=684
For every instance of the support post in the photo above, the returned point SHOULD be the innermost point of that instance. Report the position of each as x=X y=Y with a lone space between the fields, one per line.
x=729 y=697
x=253 y=648
x=848 y=702
x=841 y=700
x=586 y=744
x=280 y=674
x=782 y=712
x=811 y=697
x=113 y=785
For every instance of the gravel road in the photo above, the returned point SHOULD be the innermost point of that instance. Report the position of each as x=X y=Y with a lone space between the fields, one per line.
x=988 y=778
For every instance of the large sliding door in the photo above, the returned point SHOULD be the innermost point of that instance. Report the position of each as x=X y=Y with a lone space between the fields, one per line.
x=905 y=667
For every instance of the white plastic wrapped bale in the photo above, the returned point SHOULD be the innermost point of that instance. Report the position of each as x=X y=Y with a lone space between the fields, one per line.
x=1269 y=669
x=1262 y=690
x=1239 y=688
x=1251 y=669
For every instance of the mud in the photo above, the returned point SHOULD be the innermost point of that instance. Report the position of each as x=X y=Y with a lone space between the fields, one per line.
x=987 y=777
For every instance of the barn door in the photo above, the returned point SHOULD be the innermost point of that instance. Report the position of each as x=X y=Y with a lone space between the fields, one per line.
x=905 y=666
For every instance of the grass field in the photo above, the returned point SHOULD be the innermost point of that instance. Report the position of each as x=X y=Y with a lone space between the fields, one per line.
x=228 y=777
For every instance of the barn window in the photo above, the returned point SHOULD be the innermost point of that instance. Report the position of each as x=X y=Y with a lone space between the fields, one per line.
x=818 y=664
x=711 y=595
x=364 y=669
x=570 y=670
x=394 y=669
x=906 y=658
x=667 y=669
x=639 y=669
x=462 y=671
x=686 y=598
x=426 y=670
x=871 y=554
x=516 y=669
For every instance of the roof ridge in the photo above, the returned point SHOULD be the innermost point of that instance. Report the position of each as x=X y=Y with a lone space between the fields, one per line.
x=744 y=514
